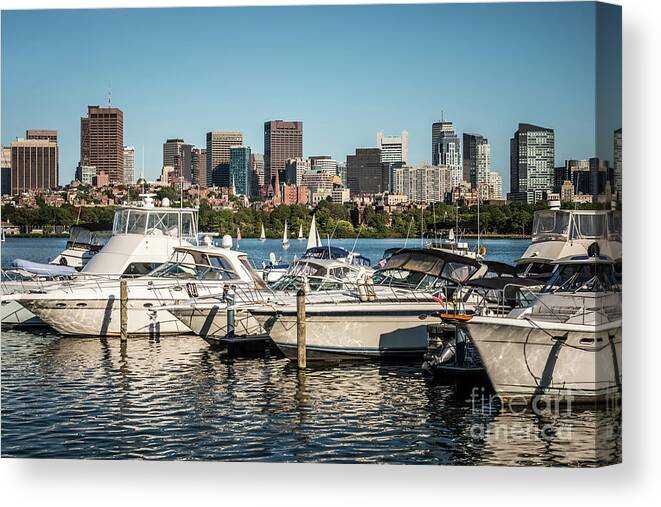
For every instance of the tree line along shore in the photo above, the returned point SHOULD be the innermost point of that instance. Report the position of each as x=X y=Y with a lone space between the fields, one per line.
x=513 y=220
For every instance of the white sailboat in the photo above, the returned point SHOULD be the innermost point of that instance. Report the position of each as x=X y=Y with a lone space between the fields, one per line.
x=262 y=235
x=313 y=237
x=300 y=233
x=238 y=237
x=285 y=238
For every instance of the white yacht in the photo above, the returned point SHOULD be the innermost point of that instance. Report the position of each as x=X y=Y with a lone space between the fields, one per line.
x=92 y=307
x=563 y=342
x=385 y=316
x=207 y=317
x=560 y=233
x=143 y=237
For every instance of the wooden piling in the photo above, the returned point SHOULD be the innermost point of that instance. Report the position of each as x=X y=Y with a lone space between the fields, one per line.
x=300 y=328
x=123 y=310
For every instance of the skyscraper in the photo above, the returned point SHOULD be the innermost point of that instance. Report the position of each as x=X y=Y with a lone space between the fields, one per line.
x=477 y=161
x=258 y=169
x=218 y=156
x=446 y=150
x=393 y=148
x=171 y=149
x=282 y=140
x=102 y=141
x=34 y=164
x=5 y=172
x=617 y=162
x=44 y=135
x=365 y=172
x=129 y=164
x=495 y=185
x=178 y=154
x=423 y=183
x=532 y=161
x=241 y=171
x=294 y=170
x=199 y=166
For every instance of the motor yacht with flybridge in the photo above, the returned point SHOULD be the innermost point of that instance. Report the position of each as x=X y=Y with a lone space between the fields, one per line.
x=564 y=342
x=92 y=307
x=561 y=233
x=143 y=237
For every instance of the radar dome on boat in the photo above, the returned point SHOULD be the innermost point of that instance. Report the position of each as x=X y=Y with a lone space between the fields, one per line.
x=165 y=202
x=206 y=240
x=227 y=241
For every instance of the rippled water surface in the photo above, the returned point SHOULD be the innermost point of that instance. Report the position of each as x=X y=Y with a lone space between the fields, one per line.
x=178 y=399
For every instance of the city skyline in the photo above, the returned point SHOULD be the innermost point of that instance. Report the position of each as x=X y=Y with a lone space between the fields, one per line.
x=342 y=108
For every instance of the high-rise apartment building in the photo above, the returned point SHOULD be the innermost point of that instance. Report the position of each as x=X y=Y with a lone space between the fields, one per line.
x=477 y=161
x=617 y=162
x=241 y=174
x=129 y=165
x=294 y=170
x=393 y=148
x=423 y=183
x=199 y=166
x=283 y=140
x=34 y=164
x=446 y=149
x=5 y=172
x=258 y=169
x=102 y=141
x=218 y=156
x=365 y=173
x=495 y=186
x=532 y=161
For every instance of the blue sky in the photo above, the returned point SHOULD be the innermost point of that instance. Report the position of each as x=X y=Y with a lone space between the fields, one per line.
x=346 y=72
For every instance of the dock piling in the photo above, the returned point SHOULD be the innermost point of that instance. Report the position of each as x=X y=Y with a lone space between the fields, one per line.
x=300 y=328
x=123 y=310
x=230 y=298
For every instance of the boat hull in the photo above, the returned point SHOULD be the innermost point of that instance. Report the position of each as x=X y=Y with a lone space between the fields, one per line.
x=97 y=317
x=210 y=321
x=527 y=360
x=397 y=331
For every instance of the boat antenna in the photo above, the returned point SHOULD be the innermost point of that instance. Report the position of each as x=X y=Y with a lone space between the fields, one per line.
x=408 y=232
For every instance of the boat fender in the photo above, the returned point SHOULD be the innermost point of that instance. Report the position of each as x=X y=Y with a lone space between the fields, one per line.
x=362 y=292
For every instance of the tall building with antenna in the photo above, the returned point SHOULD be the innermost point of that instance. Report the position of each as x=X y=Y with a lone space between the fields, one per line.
x=446 y=149
x=102 y=141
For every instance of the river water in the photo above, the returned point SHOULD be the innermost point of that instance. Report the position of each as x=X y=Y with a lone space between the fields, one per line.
x=177 y=398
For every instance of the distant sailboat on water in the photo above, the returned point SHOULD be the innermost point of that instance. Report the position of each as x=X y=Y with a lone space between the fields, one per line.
x=313 y=237
x=285 y=238
x=262 y=236
x=238 y=237
x=300 y=232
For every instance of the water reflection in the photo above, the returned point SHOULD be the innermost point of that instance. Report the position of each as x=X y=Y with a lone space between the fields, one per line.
x=178 y=399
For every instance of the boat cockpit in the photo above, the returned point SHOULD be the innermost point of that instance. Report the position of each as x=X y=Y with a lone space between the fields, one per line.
x=317 y=275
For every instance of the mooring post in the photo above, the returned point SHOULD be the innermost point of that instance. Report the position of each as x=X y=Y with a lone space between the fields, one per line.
x=300 y=328
x=231 y=312
x=123 y=310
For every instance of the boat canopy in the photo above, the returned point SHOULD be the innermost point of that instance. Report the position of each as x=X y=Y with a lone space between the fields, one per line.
x=437 y=263
x=37 y=268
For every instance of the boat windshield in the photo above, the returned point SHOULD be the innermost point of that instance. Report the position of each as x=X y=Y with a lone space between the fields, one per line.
x=406 y=279
x=156 y=222
x=550 y=225
x=585 y=277
x=187 y=265
x=317 y=277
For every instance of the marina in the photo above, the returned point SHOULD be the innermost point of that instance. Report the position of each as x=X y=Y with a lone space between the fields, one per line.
x=210 y=346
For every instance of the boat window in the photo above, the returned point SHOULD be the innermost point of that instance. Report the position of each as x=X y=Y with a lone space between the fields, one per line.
x=457 y=272
x=615 y=226
x=588 y=226
x=187 y=225
x=550 y=225
x=308 y=269
x=162 y=223
x=404 y=278
x=119 y=225
x=136 y=222
x=259 y=283
x=140 y=268
x=583 y=278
